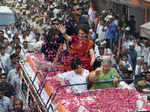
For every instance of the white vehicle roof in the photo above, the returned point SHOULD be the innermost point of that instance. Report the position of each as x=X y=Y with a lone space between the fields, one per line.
x=5 y=9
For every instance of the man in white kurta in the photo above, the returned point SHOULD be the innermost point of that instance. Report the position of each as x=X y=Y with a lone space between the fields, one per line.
x=101 y=31
x=4 y=59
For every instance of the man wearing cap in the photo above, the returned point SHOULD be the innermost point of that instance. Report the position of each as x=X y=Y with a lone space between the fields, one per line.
x=9 y=35
x=110 y=32
x=138 y=68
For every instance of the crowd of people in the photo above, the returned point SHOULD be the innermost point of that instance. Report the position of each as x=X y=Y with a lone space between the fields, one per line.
x=106 y=47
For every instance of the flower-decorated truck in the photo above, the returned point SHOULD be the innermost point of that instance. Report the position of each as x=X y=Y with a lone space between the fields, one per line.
x=50 y=96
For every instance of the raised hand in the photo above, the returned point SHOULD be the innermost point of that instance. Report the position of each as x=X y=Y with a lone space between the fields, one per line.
x=92 y=77
x=61 y=28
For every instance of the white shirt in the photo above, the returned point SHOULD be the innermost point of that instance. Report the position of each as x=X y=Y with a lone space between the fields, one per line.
x=9 y=50
x=96 y=50
x=24 y=1
x=9 y=38
x=20 y=54
x=138 y=69
x=107 y=51
x=31 y=36
x=100 y=32
x=14 y=79
x=5 y=59
x=56 y=11
x=148 y=60
x=24 y=52
x=74 y=78
x=5 y=104
x=35 y=46
x=145 y=52
x=126 y=43
x=138 y=50
x=22 y=39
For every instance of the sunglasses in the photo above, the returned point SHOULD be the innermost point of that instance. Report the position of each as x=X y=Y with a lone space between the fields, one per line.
x=55 y=23
x=76 y=9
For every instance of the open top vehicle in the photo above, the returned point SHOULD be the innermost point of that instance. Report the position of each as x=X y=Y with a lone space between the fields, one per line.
x=38 y=86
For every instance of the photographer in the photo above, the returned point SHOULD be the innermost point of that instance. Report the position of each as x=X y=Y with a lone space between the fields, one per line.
x=128 y=74
x=142 y=81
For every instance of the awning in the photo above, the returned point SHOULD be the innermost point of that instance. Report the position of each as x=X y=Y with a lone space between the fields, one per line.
x=127 y=2
x=138 y=3
x=145 y=30
x=146 y=2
